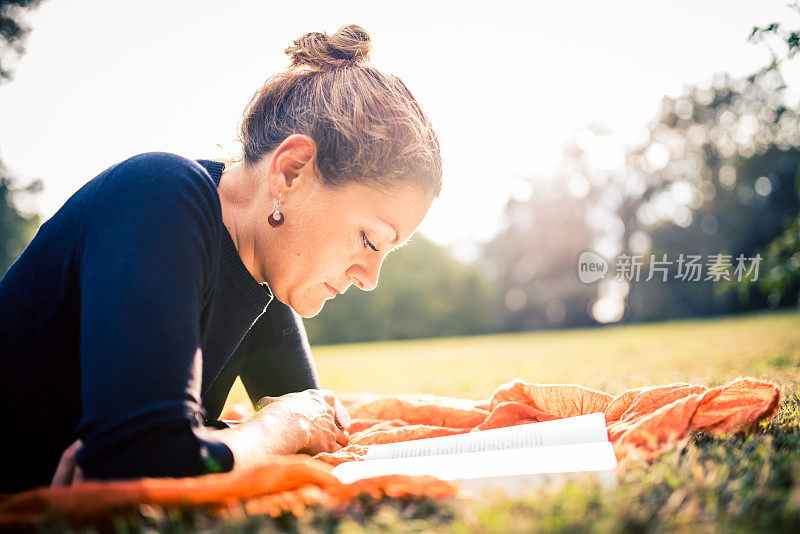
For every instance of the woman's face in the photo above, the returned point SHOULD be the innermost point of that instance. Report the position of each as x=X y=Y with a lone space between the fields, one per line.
x=333 y=237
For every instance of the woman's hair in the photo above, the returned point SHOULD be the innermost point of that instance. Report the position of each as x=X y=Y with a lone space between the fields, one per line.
x=367 y=125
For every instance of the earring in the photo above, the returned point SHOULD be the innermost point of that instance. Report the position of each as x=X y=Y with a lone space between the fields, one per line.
x=276 y=218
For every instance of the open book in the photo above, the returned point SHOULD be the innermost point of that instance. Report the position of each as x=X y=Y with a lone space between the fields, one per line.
x=512 y=459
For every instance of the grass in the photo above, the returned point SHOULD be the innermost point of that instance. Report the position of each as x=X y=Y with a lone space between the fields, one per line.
x=714 y=484
x=708 y=351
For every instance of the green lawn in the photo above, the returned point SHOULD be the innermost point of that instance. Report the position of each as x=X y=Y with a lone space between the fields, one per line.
x=715 y=484
x=710 y=351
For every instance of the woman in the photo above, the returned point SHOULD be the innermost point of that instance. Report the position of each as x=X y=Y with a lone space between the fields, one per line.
x=127 y=318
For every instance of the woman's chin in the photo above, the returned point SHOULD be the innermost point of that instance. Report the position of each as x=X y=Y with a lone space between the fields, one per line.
x=309 y=309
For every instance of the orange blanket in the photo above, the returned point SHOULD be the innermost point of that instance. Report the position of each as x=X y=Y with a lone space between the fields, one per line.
x=642 y=423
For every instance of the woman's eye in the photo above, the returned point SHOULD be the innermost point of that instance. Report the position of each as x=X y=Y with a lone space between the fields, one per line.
x=366 y=241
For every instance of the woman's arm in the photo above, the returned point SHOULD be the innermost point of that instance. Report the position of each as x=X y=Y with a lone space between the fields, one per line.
x=310 y=422
x=149 y=249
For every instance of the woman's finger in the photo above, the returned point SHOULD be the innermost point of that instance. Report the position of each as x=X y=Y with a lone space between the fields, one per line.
x=342 y=416
x=343 y=438
x=67 y=467
x=323 y=439
x=328 y=395
x=264 y=401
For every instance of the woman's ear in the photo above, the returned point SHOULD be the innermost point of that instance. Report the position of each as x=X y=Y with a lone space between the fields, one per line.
x=293 y=157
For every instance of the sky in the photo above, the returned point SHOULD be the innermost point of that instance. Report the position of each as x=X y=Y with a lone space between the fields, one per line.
x=505 y=84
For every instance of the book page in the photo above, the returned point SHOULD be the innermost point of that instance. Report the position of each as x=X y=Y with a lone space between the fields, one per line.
x=589 y=428
x=584 y=457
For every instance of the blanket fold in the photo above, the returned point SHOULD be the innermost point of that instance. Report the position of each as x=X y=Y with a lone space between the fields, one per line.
x=642 y=423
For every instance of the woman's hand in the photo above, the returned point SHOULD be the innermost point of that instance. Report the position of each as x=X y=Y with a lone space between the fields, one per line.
x=308 y=422
x=68 y=471
x=322 y=418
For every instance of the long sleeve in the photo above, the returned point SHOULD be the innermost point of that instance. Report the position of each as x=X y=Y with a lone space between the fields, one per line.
x=147 y=262
x=278 y=358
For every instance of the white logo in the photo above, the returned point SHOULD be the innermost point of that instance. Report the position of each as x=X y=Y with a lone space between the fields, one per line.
x=591 y=267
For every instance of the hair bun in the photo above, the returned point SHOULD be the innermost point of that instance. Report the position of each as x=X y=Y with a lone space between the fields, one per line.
x=350 y=45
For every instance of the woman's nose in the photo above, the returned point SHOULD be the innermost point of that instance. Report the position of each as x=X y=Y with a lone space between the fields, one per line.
x=365 y=274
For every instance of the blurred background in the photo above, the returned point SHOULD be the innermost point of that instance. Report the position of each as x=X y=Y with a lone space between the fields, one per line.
x=622 y=128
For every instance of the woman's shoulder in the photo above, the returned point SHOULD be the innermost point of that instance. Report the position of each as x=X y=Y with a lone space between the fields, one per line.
x=149 y=194
x=156 y=181
x=161 y=172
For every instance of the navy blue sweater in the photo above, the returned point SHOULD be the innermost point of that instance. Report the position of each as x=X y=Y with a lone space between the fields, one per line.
x=125 y=322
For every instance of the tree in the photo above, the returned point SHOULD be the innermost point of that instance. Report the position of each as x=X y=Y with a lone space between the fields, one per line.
x=721 y=175
x=534 y=259
x=13 y=31
x=716 y=176
x=16 y=229
x=423 y=292
x=782 y=282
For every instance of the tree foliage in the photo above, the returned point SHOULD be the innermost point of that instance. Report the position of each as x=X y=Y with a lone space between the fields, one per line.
x=533 y=260
x=16 y=229
x=717 y=175
x=13 y=31
x=423 y=292
x=737 y=145
x=724 y=183
x=776 y=35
